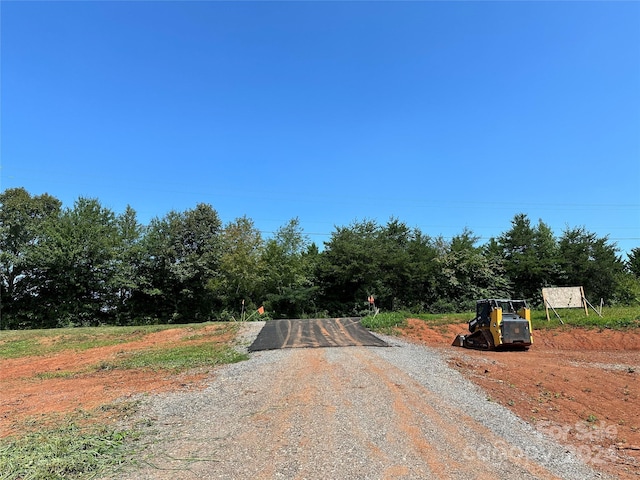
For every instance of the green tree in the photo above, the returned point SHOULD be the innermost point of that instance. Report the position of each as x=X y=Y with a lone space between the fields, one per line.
x=633 y=262
x=75 y=265
x=406 y=265
x=530 y=257
x=591 y=262
x=21 y=219
x=419 y=292
x=547 y=270
x=466 y=274
x=288 y=272
x=128 y=257
x=393 y=263
x=180 y=255
x=241 y=270
x=348 y=269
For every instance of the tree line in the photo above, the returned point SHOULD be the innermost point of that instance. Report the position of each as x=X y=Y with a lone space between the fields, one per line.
x=86 y=265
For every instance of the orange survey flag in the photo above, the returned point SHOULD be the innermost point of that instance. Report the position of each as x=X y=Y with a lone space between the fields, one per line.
x=261 y=310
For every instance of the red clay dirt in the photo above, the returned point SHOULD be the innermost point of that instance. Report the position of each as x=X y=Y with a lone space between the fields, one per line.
x=579 y=386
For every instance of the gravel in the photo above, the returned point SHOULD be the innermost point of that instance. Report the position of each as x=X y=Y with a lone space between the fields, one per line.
x=520 y=437
x=342 y=413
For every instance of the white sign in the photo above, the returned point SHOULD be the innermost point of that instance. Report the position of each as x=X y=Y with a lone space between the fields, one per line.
x=563 y=297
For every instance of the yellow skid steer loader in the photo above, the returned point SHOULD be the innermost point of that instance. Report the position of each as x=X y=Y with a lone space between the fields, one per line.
x=499 y=324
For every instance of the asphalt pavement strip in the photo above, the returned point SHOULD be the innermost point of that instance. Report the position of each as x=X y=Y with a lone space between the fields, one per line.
x=314 y=333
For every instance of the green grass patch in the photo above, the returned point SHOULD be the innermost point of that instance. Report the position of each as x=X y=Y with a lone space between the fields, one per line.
x=76 y=448
x=56 y=374
x=385 y=322
x=213 y=334
x=23 y=343
x=210 y=349
x=615 y=318
x=177 y=359
x=18 y=347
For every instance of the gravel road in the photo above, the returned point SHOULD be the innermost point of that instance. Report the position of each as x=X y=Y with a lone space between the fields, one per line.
x=343 y=413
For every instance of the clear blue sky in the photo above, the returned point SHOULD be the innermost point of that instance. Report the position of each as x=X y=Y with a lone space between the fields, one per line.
x=446 y=115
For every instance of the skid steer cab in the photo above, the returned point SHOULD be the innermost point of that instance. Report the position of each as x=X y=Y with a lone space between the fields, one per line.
x=499 y=324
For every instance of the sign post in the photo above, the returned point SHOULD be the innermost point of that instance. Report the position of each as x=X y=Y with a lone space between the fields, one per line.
x=565 y=297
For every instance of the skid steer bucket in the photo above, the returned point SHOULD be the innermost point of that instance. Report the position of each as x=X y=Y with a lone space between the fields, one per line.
x=458 y=341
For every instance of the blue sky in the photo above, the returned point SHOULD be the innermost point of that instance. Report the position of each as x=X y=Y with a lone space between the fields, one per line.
x=445 y=115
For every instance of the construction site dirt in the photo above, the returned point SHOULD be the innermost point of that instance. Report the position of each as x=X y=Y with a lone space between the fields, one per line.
x=579 y=386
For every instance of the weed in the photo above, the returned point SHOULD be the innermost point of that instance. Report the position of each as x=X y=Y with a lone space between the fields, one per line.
x=90 y=444
x=616 y=318
x=74 y=449
x=179 y=358
x=121 y=409
x=18 y=347
x=56 y=374
x=23 y=343
x=386 y=322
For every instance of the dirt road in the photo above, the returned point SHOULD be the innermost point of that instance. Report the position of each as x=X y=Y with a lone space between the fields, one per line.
x=359 y=412
x=345 y=413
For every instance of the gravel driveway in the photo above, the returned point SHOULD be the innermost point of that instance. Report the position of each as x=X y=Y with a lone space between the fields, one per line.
x=343 y=413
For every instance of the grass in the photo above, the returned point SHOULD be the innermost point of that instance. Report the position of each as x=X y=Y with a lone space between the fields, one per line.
x=180 y=356
x=87 y=445
x=24 y=343
x=78 y=446
x=617 y=318
x=17 y=347
x=177 y=359
x=56 y=374
x=385 y=322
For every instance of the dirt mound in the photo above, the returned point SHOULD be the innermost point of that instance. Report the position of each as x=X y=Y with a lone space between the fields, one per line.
x=579 y=386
